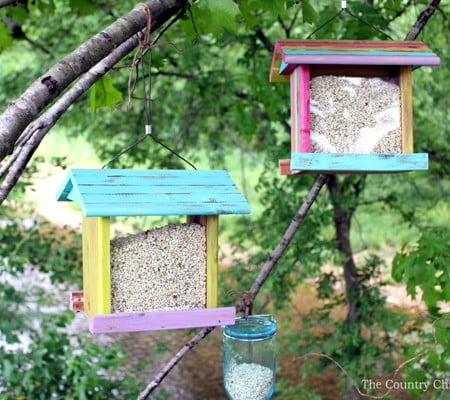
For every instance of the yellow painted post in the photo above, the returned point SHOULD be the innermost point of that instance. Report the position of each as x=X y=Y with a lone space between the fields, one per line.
x=96 y=266
x=406 y=106
x=212 y=255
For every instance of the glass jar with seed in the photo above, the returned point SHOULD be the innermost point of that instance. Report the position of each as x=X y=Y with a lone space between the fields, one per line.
x=249 y=358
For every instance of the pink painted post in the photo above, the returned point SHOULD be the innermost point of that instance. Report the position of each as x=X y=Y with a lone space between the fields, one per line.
x=300 y=111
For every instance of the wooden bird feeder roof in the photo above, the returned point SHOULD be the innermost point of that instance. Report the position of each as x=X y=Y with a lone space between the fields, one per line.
x=122 y=192
x=290 y=53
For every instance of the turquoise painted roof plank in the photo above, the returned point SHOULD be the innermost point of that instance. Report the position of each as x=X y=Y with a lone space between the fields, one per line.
x=120 y=192
x=328 y=162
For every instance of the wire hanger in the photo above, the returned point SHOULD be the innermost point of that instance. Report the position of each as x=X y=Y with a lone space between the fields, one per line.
x=145 y=47
x=345 y=10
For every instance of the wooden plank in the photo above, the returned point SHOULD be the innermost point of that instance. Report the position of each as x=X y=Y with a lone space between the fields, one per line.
x=211 y=224
x=285 y=167
x=151 y=177
x=335 y=163
x=295 y=112
x=157 y=190
x=300 y=111
x=96 y=266
x=362 y=52
x=76 y=300
x=162 y=320
x=163 y=209
x=406 y=107
x=365 y=44
x=346 y=59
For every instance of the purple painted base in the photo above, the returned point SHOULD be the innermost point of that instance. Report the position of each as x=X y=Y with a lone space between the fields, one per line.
x=160 y=320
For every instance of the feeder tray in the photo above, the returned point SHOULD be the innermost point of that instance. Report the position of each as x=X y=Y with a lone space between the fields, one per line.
x=351 y=104
x=201 y=196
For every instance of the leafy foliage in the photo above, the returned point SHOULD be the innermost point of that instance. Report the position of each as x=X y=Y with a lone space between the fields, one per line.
x=39 y=358
x=211 y=98
x=426 y=266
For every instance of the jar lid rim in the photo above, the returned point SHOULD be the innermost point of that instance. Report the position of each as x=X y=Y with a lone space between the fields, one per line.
x=253 y=327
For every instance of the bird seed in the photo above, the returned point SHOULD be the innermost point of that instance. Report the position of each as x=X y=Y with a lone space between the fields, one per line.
x=354 y=115
x=248 y=381
x=160 y=269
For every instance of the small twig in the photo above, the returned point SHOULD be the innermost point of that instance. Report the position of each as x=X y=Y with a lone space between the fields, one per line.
x=422 y=19
x=173 y=362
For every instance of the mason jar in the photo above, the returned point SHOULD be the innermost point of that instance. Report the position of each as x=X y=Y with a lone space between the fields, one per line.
x=249 y=359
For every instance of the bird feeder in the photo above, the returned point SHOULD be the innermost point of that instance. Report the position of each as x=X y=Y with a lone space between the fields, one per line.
x=159 y=279
x=351 y=104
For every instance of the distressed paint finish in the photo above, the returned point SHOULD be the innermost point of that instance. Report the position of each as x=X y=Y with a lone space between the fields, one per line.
x=160 y=320
x=123 y=192
x=200 y=195
x=406 y=104
x=300 y=111
x=290 y=53
x=348 y=163
x=96 y=266
x=294 y=60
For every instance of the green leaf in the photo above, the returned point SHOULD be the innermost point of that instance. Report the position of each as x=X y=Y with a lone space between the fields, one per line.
x=211 y=16
x=224 y=14
x=84 y=7
x=309 y=13
x=275 y=7
x=5 y=36
x=104 y=94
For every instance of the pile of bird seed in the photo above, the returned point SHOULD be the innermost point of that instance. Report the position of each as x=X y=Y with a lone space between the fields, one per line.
x=248 y=381
x=354 y=115
x=160 y=269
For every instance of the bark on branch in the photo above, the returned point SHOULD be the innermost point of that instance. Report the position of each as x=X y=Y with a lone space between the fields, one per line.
x=422 y=20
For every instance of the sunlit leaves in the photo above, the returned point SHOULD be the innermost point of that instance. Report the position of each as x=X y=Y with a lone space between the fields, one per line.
x=427 y=267
x=5 y=36
x=104 y=94
x=211 y=17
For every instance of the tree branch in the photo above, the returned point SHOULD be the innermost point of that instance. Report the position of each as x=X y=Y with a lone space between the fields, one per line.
x=287 y=237
x=37 y=130
x=422 y=19
x=254 y=290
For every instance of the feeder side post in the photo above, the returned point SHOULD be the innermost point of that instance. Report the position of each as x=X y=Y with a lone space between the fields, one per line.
x=212 y=255
x=300 y=110
x=96 y=266
x=406 y=107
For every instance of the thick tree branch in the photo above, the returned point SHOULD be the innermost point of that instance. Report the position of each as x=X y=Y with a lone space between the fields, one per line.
x=254 y=290
x=422 y=20
x=21 y=112
x=37 y=130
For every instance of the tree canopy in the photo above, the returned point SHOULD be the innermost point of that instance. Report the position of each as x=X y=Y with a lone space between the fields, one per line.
x=197 y=72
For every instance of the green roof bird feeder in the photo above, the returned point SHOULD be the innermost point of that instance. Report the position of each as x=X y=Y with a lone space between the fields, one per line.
x=164 y=278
